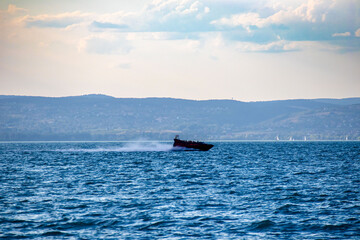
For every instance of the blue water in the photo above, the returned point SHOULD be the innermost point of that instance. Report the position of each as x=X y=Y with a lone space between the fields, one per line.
x=239 y=190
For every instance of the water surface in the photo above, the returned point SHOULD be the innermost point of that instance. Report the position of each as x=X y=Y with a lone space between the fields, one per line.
x=238 y=190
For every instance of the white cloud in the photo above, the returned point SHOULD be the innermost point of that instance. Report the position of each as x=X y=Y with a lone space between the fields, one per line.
x=314 y=20
x=12 y=9
x=244 y=19
x=273 y=47
x=312 y=11
x=124 y=65
x=263 y=22
x=105 y=43
x=357 y=33
x=62 y=20
x=8 y=16
x=345 y=34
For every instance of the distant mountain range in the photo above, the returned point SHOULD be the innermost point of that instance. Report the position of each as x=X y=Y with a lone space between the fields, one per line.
x=101 y=117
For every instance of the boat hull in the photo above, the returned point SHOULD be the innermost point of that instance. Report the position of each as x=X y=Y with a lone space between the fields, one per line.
x=200 y=146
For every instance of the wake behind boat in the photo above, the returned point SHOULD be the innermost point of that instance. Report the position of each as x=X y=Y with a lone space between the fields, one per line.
x=191 y=145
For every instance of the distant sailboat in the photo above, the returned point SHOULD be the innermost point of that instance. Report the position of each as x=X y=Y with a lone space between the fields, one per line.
x=291 y=139
x=304 y=138
x=277 y=138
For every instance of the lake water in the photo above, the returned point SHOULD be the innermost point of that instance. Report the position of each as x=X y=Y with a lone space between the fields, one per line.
x=237 y=190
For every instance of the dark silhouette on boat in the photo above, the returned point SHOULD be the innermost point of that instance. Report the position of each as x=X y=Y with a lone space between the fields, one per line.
x=190 y=145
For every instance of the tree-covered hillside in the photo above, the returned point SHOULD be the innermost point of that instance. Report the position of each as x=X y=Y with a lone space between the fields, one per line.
x=100 y=117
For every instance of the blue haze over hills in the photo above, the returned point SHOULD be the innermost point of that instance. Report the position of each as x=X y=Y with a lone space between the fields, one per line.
x=101 y=117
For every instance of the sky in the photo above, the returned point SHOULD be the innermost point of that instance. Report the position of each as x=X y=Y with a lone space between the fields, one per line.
x=244 y=50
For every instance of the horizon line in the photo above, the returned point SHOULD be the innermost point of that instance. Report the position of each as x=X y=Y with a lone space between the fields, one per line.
x=177 y=98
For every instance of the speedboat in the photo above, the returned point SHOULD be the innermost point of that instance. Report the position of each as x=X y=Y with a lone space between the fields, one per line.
x=191 y=145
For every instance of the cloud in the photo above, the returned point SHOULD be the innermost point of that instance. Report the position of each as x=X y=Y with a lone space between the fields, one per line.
x=108 y=25
x=260 y=22
x=244 y=20
x=7 y=16
x=314 y=20
x=357 y=33
x=56 y=21
x=105 y=43
x=273 y=47
x=175 y=16
x=12 y=9
x=124 y=65
x=345 y=34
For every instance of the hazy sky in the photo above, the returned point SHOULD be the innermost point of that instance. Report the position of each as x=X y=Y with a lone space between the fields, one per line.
x=242 y=49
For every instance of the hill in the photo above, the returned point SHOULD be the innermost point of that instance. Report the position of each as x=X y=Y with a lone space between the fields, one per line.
x=101 y=117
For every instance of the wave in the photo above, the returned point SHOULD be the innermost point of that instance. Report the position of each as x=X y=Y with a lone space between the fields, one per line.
x=128 y=147
x=262 y=225
x=146 y=147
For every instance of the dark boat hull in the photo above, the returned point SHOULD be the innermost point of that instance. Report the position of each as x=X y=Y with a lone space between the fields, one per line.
x=192 y=145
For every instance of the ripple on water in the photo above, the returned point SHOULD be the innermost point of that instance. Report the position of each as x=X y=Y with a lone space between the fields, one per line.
x=245 y=190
